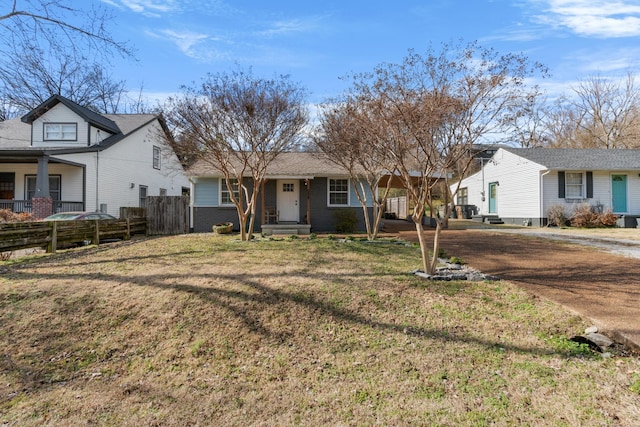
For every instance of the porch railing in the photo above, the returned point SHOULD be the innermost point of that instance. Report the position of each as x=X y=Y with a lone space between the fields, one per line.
x=25 y=206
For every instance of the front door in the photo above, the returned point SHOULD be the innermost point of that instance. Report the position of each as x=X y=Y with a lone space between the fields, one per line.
x=287 y=199
x=619 y=193
x=493 y=197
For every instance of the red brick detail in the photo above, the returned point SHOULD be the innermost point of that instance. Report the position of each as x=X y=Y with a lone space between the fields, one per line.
x=41 y=207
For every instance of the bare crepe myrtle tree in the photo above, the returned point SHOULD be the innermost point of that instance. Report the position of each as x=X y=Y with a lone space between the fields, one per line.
x=238 y=124
x=431 y=109
x=343 y=138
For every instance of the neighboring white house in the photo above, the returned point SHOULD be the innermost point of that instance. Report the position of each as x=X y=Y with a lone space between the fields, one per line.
x=92 y=162
x=519 y=185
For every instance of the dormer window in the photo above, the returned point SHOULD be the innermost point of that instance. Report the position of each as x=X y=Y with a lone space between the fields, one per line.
x=60 y=131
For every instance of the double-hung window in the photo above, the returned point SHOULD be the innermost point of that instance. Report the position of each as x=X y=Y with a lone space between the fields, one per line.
x=156 y=157
x=60 y=131
x=143 y=192
x=225 y=196
x=338 y=192
x=463 y=196
x=574 y=185
x=55 y=190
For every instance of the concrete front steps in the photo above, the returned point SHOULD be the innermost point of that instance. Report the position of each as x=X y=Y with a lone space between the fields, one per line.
x=287 y=229
x=489 y=218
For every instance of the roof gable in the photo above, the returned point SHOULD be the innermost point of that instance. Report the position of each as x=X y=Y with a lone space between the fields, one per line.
x=97 y=120
x=581 y=158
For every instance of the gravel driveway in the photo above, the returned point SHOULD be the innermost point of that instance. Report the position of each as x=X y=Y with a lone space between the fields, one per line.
x=595 y=276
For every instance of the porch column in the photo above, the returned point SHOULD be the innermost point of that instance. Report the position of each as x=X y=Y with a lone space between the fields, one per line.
x=41 y=202
x=307 y=184
x=42 y=179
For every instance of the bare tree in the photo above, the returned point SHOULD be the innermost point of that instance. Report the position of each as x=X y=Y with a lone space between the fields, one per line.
x=431 y=109
x=343 y=138
x=602 y=113
x=239 y=124
x=53 y=47
x=608 y=112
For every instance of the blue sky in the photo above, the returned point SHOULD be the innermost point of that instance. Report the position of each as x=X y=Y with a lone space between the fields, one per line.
x=316 y=42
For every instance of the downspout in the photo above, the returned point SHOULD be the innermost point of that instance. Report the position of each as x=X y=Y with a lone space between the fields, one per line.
x=542 y=195
x=97 y=176
x=97 y=170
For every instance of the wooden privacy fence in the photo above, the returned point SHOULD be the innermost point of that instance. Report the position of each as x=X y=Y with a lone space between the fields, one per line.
x=54 y=234
x=167 y=215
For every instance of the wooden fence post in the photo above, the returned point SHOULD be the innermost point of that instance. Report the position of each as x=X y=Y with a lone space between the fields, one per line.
x=96 y=234
x=53 y=242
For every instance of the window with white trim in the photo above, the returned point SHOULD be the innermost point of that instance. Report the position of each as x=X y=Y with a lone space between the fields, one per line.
x=338 y=192
x=574 y=185
x=156 y=157
x=60 y=131
x=225 y=195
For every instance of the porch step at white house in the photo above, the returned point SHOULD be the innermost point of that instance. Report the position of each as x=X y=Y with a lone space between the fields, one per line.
x=490 y=218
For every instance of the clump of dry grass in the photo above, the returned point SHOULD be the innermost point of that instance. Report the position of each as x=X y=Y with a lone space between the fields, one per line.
x=202 y=330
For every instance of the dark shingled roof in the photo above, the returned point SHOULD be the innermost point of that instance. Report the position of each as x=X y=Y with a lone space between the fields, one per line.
x=581 y=159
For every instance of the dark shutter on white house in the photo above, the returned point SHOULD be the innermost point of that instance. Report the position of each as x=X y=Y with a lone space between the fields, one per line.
x=589 y=185
x=561 y=184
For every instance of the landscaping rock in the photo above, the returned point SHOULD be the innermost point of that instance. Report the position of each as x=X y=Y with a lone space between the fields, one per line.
x=458 y=272
x=595 y=341
x=591 y=330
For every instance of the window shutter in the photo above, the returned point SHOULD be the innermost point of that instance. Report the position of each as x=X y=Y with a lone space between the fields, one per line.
x=561 y=184
x=589 y=185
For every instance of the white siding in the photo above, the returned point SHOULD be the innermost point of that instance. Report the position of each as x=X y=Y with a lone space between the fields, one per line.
x=601 y=192
x=129 y=161
x=518 y=190
x=59 y=114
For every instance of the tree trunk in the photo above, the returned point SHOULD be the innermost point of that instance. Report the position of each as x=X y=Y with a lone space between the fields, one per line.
x=436 y=246
x=424 y=250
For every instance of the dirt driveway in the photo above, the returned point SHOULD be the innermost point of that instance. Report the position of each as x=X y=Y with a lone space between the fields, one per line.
x=601 y=286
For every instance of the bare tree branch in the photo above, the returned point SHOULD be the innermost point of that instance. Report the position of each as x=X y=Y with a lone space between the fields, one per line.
x=239 y=124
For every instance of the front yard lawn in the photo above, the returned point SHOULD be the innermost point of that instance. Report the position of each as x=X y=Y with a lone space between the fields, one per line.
x=206 y=330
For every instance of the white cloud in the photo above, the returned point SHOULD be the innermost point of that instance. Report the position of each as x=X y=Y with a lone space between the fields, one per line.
x=194 y=45
x=152 y=8
x=288 y=27
x=594 y=18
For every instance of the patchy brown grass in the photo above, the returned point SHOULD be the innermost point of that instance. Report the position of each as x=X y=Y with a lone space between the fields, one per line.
x=203 y=330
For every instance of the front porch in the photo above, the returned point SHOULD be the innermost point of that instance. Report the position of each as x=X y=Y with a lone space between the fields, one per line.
x=20 y=206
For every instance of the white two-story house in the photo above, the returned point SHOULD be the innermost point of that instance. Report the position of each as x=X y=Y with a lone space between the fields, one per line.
x=64 y=157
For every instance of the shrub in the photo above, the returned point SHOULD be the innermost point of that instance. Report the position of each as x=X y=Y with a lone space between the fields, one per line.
x=7 y=215
x=584 y=216
x=608 y=219
x=346 y=221
x=556 y=215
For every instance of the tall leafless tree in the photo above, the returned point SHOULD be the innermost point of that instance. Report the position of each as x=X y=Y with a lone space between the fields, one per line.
x=239 y=124
x=52 y=47
x=432 y=109
x=601 y=112
x=343 y=138
x=609 y=112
